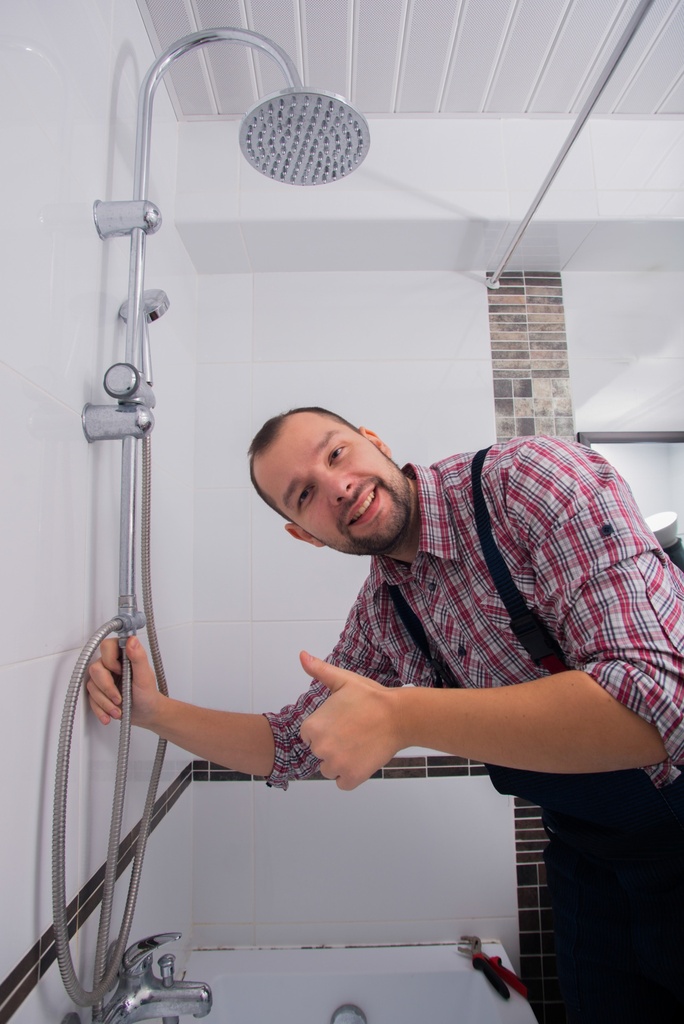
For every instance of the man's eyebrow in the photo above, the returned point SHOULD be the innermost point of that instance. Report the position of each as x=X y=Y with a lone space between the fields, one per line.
x=295 y=482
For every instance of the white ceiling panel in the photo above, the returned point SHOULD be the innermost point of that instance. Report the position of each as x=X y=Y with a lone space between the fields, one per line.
x=430 y=57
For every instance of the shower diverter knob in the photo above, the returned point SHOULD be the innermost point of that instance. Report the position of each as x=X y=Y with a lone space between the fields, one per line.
x=121 y=381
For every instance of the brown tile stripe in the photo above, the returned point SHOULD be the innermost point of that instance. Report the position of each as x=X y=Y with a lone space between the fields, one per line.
x=532 y=396
x=530 y=357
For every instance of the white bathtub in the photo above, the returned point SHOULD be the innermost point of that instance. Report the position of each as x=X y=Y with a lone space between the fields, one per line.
x=425 y=984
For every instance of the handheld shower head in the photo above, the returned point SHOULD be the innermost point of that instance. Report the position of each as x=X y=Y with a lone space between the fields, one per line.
x=304 y=137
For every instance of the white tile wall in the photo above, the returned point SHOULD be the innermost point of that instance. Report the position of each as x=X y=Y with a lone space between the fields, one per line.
x=395 y=861
x=626 y=349
x=439 y=194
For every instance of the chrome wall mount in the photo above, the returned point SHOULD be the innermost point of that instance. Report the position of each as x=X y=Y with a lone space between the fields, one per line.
x=120 y=218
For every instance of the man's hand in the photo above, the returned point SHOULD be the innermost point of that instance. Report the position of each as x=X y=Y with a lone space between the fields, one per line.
x=356 y=730
x=103 y=692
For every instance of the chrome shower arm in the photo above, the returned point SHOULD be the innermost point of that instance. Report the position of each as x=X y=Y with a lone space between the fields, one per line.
x=164 y=62
x=255 y=40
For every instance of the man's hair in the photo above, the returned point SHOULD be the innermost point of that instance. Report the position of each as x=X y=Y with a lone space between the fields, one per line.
x=270 y=432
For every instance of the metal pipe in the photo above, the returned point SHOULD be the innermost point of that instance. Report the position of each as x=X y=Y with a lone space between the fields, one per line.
x=604 y=77
x=134 y=348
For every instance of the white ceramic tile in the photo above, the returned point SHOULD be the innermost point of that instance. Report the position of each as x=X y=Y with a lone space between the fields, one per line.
x=221 y=567
x=674 y=207
x=531 y=147
x=636 y=154
x=222 y=433
x=164 y=900
x=208 y=157
x=278 y=675
x=368 y=316
x=81 y=41
x=624 y=315
x=631 y=245
x=359 y=239
x=165 y=897
x=212 y=236
x=172 y=568
x=27 y=799
x=43 y=522
x=223 y=850
x=221 y=666
x=293 y=580
x=644 y=394
x=222 y=936
x=176 y=648
x=423 y=410
x=224 y=318
x=365 y=831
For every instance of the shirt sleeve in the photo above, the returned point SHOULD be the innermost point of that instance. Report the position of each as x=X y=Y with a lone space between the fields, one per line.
x=356 y=651
x=616 y=599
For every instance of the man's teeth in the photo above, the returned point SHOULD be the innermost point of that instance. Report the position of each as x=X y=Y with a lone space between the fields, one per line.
x=366 y=505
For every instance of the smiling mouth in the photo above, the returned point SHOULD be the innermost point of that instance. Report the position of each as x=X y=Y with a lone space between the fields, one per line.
x=364 y=508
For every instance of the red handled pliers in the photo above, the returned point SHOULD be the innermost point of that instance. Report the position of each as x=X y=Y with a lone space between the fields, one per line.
x=492 y=968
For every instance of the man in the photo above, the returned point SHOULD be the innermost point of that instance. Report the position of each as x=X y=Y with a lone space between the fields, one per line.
x=596 y=746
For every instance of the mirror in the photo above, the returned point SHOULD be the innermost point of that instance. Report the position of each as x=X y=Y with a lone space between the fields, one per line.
x=652 y=463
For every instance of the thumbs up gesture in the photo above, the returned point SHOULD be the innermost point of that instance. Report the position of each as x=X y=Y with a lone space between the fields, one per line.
x=357 y=729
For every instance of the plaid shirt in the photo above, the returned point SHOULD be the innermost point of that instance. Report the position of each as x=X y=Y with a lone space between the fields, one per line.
x=580 y=553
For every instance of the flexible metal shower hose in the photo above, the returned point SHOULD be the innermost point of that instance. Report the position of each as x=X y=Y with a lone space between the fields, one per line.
x=106 y=966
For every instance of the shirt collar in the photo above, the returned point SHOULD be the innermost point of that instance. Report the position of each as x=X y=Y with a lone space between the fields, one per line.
x=437 y=537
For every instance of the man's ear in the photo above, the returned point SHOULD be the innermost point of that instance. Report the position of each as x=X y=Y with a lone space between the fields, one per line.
x=299 y=534
x=377 y=441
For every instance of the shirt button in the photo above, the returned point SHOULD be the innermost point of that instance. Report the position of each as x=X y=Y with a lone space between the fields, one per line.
x=462 y=652
x=431 y=586
x=606 y=529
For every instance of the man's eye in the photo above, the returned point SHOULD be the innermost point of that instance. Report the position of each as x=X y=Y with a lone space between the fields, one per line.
x=335 y=453
x=303 y=496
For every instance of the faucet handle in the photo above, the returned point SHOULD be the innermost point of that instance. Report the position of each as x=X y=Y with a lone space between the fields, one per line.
x=167 y=967
x=138 y=957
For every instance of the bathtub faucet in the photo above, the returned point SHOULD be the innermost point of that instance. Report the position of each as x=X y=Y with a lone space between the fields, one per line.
x=141 y=995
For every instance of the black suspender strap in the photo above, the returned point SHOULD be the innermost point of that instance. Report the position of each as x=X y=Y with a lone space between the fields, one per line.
x=531 y=633
x=415 y=628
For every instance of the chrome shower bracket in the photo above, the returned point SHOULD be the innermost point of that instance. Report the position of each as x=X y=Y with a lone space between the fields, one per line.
x=131 y=417
x=123 y=217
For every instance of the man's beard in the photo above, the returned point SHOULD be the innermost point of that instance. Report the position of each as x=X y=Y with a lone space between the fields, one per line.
x=395 y=528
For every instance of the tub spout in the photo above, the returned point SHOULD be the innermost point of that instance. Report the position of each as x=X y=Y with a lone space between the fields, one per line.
x=141 y=995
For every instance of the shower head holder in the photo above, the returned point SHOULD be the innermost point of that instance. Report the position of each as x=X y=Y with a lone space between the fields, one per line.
x=121 y=218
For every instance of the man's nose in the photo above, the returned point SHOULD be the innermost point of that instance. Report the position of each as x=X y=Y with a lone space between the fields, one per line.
x=342 y=490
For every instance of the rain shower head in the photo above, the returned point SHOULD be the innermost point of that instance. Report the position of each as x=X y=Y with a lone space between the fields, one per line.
x=304 y=137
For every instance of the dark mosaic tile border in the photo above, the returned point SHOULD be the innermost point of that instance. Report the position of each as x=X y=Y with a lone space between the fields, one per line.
x=530 y=357
x=20 y=982
x=532 y=396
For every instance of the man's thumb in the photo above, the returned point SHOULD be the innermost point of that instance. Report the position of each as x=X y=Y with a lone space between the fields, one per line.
x=329 y=675
x=135 y=651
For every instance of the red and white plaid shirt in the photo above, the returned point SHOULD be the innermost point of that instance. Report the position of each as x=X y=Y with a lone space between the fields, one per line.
x=580 y=553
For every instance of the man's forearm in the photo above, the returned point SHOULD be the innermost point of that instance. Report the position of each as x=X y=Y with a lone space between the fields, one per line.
x=561 y=723
x=242 y=742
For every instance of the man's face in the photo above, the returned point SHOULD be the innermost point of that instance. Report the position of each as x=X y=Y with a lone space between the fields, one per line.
x=339 y=488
